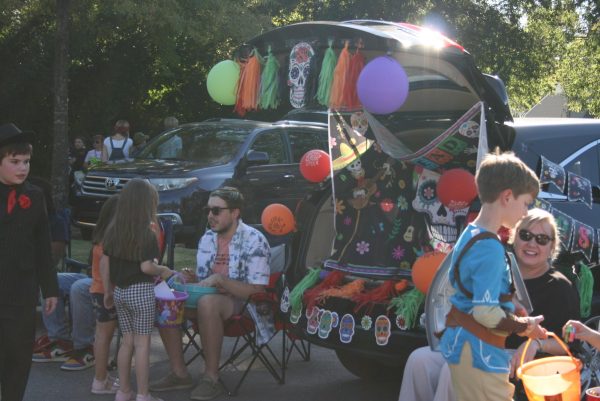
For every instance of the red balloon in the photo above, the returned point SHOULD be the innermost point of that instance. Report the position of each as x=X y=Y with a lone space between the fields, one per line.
x=278 y=219
x=315 y=165
x=456 y=188
x=424 y=269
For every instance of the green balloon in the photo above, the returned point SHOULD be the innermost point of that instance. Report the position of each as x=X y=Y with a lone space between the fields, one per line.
x=222 y=81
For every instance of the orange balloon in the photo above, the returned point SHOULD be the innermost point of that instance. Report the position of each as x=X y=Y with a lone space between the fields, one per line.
x=424 y=269
x=278 y=219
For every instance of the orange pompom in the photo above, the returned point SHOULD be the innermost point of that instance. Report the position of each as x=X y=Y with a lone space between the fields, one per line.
x=278 y=219
x=424 y=269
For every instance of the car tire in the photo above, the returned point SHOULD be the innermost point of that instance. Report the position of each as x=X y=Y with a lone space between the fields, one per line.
x=369 y=369
x=86 y=233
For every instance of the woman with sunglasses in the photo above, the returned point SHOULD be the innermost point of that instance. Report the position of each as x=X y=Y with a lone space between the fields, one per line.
x=535 y=244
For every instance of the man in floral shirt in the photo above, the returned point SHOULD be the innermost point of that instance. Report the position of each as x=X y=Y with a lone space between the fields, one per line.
x=234 y=258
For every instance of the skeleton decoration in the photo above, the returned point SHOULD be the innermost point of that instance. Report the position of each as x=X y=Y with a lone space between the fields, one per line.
x=300 y=64
x=346 y=328
x=441 y=221
x=325 y=324
x=313 y=321
x=284 y=305
x=382 y=330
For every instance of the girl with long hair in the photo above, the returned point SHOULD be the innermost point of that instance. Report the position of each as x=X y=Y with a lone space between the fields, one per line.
x=131 y=244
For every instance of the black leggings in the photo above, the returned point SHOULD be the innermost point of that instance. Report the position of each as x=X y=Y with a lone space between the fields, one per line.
x=16 y=348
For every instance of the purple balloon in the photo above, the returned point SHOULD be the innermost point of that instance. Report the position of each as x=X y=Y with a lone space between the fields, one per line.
x=382 y=85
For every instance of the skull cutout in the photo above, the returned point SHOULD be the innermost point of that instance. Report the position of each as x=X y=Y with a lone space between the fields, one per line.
x=382 y=330
x=300 y=59
x=313 y=321
x=325 y=324
x=441 y=221
x=470 y=129
x=359 y=122
x=284 y=305
x=295 y=314
x=346 y=328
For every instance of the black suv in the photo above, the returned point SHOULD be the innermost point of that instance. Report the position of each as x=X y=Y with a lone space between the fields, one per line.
x=186 y=163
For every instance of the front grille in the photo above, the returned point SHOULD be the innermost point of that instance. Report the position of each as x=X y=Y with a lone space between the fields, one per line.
x=95 y=185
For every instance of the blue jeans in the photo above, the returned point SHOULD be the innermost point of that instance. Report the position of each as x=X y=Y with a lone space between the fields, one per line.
x=77 y=287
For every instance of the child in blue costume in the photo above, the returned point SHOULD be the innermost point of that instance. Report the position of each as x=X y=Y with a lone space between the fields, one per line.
x=483 y=311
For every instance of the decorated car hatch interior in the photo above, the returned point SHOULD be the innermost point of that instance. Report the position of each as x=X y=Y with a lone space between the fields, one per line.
x=409 y=116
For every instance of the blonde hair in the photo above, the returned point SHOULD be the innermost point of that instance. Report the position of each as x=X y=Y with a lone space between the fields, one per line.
x=501 y=171
x=539 y=216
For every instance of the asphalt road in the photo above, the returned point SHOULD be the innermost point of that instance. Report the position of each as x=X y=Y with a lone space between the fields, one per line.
x=321 y=378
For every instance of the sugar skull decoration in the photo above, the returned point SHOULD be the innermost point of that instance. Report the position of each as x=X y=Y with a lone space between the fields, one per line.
x=470 y=129
x=335 y=319
x=313 y=321
x=284 y=305
x=382 y=330
x=300 y=64
x=325 y=324
x=441 y=221
x=359 y=122
x=346 y=328
x=295 y=314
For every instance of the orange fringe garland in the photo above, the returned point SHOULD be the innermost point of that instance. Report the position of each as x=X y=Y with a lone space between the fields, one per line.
x=347 y=291
x=357 y=63
x=336 y=98
x=248 y=91
x=333 y=279
x=377 y=295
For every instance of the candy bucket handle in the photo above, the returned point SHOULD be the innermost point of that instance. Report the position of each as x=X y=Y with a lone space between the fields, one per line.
x=562 y=344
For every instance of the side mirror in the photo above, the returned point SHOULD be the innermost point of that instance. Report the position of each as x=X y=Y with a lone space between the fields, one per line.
x=255 y=158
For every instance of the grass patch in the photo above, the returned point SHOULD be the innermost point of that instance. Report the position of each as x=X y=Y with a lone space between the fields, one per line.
x=80 y=250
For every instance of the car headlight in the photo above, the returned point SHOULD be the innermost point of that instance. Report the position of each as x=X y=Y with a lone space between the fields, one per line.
x=168 y=184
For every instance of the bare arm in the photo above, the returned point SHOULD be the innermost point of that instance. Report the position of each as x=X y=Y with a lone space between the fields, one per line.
x=236 y=288
x=150 y=268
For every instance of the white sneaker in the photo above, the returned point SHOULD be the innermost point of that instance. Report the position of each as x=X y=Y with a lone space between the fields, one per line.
x=110 y=385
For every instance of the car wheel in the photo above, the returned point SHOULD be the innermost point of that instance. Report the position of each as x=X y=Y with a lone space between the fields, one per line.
x=86 y=233
x=368 y=368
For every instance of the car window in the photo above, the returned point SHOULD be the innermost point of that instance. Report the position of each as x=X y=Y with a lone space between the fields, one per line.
x=586 y=165
x=271 y=143
x=303 y=141
x=209 y=145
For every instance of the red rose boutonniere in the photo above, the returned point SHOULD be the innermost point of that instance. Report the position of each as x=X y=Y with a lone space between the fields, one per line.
x=24 y=201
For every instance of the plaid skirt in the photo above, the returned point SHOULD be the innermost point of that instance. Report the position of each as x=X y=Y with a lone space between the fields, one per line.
x=136 y=306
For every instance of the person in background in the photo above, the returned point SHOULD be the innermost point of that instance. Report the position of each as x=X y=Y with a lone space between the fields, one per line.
x=77 y=154
x=128 y=273
x=171 y=149
x=535 y=244
x=25 y=261
x=116 y=147
x=94 y=156
x=139 y=142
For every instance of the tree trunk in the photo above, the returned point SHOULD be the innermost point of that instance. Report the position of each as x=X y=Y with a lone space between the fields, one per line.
x=60 y=148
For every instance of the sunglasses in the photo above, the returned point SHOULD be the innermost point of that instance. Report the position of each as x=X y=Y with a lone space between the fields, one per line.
x=215 y=210
x=541 y=239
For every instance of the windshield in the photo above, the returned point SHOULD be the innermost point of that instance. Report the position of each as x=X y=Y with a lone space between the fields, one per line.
x=210 y=144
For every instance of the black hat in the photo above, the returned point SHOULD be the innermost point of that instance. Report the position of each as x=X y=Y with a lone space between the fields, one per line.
x=9 y=133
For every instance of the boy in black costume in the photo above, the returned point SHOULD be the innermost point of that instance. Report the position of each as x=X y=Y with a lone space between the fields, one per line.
x=25 y=261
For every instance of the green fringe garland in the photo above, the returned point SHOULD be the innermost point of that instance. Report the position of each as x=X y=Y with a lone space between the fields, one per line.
x=407 y=305
x=326 y=75
x=307 y=282
x=269 y=83
x=586 y=287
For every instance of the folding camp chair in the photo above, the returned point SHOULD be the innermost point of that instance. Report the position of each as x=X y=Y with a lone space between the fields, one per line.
x=258 y=309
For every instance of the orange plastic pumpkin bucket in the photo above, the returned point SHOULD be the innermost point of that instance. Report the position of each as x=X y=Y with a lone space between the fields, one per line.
x=551 y=376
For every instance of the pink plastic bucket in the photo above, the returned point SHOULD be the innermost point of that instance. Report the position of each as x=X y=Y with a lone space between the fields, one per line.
x=169 y=312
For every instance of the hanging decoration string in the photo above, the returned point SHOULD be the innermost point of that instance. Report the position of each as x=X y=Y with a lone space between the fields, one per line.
x=379 y=294
x=407 y=306
x=249 y=85
x=336 y=99
x=269 y=83
x=333 y=279
x=307 y=282
x=357 y=63
x=326 y=75
x=347 y=291
x=586 y=288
